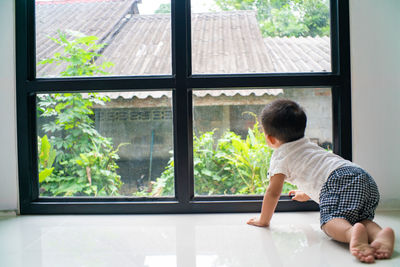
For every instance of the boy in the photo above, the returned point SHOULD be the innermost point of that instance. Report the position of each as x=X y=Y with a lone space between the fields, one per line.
x=347 y=195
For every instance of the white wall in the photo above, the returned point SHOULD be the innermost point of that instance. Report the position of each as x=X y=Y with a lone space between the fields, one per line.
x=375 y=55
x=8 y=150
x=375 y=67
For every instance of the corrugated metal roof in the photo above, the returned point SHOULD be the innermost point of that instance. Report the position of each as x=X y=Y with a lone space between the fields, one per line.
x=197 y=93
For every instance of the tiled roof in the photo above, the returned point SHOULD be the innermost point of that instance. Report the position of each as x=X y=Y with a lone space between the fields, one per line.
x=303 y=54
x=222 y=42
x=89 y=17
x=228 y=42
x=142 y=46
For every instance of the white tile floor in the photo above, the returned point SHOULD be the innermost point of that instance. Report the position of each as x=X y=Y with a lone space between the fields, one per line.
x=201 y=240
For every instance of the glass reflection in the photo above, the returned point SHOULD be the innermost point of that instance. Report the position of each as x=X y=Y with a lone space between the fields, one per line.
x=169 y=240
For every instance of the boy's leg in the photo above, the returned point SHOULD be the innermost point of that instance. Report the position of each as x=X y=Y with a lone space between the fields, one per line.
x=382 y=240
x=356 y=235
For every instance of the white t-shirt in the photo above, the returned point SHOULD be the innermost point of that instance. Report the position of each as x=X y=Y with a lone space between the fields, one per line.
x=306 y=165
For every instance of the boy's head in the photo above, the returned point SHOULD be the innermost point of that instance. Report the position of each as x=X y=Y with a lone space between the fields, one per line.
x=284 y=119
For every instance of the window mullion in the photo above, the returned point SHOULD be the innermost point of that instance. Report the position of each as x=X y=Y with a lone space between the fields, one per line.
x=107 y=84
x=342 y=93
x=265 y=80
x=183 y=155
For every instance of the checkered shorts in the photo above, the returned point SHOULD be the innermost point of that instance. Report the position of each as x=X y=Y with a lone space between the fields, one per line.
x=349 y=193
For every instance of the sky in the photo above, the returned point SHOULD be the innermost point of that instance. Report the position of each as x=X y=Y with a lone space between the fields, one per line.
x=149 y=6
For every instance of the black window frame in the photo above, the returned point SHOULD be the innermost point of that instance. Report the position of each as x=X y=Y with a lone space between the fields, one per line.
x=181 y=82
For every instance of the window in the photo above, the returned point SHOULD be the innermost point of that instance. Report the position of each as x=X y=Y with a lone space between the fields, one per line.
x=126 y=42
x=90 y=144
x=283 y=36
x=125 y=106
x=230 y=153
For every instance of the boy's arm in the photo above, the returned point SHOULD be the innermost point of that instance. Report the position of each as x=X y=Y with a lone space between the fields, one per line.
x=271 y=198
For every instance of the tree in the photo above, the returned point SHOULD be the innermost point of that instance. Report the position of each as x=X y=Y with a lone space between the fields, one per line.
x=163 y=9
x=76 y=160
x=286 y=17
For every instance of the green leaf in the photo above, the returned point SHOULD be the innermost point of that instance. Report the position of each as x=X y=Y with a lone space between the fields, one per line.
x=44 y=174
x=206 y=172
x=252 y=138
x=44 y=150
x=52 y=157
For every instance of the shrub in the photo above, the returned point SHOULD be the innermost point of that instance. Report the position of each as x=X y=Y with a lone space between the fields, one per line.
x=229 y=165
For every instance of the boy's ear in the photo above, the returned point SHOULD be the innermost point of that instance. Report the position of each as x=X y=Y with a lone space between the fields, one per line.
x=272 y=140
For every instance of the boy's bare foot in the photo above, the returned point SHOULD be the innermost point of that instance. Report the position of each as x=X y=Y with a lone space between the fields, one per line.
x=383 y=244
x=359 y=246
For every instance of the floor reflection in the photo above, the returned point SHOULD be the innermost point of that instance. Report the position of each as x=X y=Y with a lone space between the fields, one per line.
x=203 y=240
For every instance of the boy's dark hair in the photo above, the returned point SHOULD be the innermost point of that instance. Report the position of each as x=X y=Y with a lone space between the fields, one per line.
x=284 y=119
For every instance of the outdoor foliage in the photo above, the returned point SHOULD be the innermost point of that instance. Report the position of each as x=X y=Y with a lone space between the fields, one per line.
x=78 y=55
x=76 y=160
x=47 y=155
x=163 y=9
x=286 y=17
x=229 y=165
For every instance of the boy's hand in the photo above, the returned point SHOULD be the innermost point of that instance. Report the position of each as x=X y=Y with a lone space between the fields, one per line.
x=256 y=222
x=299 y=195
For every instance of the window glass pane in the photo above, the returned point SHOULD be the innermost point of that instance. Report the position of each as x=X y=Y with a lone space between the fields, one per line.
x=230 y=153
x=102 y=37
x=105 y=144
x=257 y=36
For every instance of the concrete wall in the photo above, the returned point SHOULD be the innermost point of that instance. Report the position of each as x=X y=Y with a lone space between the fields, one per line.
x=8 y=137
x=375 y=59
x=317 y=104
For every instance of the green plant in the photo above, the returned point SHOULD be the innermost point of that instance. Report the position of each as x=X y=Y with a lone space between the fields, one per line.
x=79 y=54
x=85 y=162
x=229 y=165
x=47 y=155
